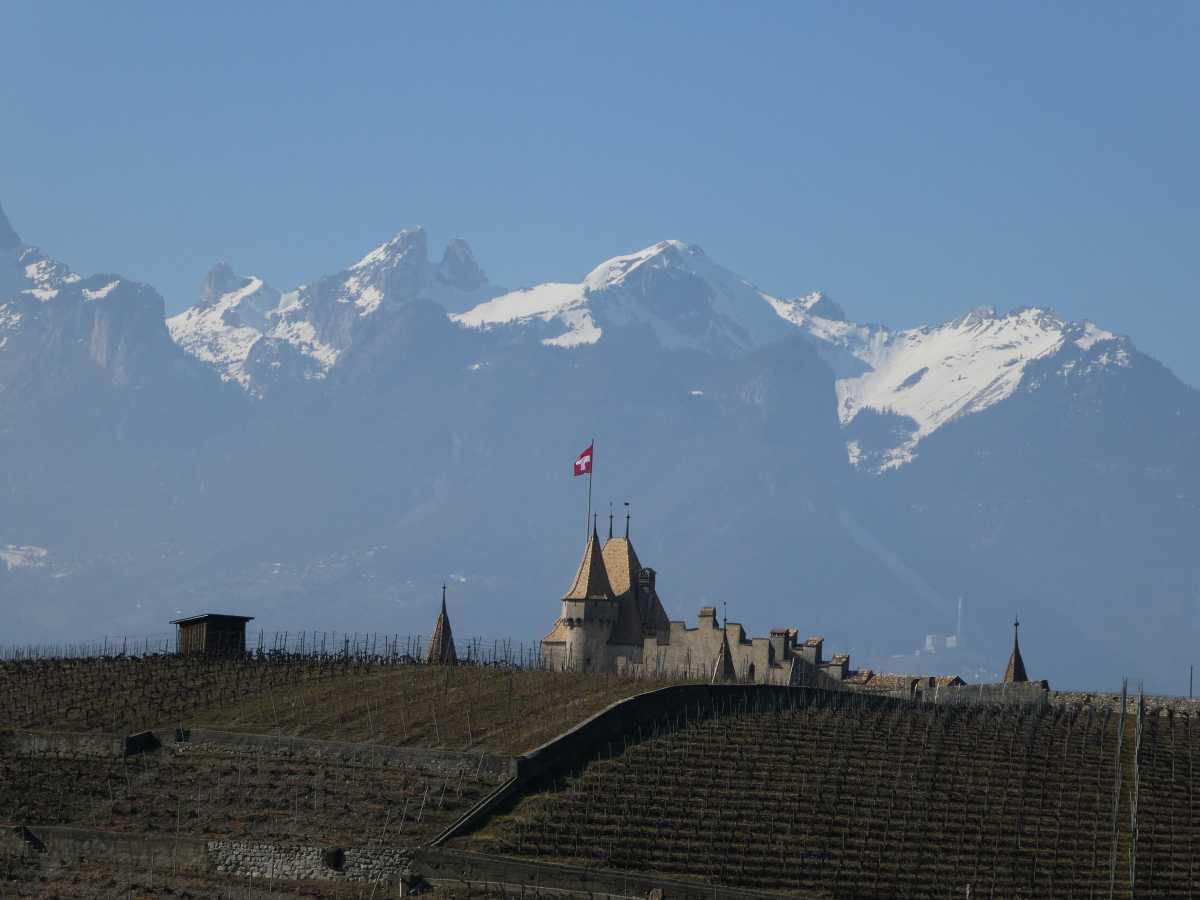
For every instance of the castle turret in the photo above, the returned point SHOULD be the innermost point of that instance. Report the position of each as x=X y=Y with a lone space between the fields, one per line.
x=441 y=645
x=579 y=641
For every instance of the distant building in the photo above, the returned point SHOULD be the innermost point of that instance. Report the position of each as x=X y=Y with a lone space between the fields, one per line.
x=441 y=650
x=612 y=620
x=211 y=634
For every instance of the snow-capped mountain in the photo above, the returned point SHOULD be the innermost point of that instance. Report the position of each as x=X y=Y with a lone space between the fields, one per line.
x=822 y=473
x=686 y=299
x=256 y=336
x=924 y=378
x=60 y=330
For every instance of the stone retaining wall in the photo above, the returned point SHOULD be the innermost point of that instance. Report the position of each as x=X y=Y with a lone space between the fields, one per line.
x=290 y=863
x=1155 y=705
x=34 y=743
x=1019 y=694
x=297 y=863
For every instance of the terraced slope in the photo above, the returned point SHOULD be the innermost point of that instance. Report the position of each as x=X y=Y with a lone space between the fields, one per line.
x=846 y=798
x=377 y=699
x=219 y=793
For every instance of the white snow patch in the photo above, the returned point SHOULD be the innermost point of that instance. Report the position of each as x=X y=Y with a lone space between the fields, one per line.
x=366 y=299
x=1092 y=336
x=934 y=375
x=614 y=271
x=16 y=556
x=581 y=329
x=203 y=332
x=100 y=293
x=542 y=302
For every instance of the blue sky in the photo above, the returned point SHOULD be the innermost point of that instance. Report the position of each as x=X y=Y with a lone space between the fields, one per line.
x=912 y=160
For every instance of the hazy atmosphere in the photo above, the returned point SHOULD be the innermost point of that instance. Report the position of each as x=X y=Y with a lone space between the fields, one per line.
x=658 y=451
x=881 y=317
x=911 y=161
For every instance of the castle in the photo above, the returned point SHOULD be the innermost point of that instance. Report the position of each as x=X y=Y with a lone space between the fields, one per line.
x=612 y=620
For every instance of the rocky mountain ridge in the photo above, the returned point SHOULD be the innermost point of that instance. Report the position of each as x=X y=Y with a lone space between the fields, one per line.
x=349 y=444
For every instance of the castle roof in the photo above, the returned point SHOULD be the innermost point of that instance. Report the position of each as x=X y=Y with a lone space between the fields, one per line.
x=441 y=645
x=591 y=581
x=1015 y=672
x=621 y=564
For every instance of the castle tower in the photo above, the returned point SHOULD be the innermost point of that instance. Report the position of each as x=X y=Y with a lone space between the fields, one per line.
x=441 y=645
x=640 y=613
x=1015 y=673
x=579 y=641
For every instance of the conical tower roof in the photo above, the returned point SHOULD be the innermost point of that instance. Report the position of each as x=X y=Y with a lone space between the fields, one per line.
x=621 y=565
x=1016 y=666
x=591 y=581
x=724 y=671
x=441 y=646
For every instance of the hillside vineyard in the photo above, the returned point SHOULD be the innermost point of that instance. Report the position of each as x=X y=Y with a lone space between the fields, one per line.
x=833 y=797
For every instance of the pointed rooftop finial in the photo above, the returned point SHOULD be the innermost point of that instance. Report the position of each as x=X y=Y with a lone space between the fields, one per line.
x=595 y=526
x=441 y=645
x=626 y=520
x=1015 y=671
x=610 y=520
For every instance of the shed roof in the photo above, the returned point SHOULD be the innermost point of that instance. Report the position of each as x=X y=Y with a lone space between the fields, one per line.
x=225 y=617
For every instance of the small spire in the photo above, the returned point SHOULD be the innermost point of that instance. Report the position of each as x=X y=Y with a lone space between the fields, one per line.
x=626 y=520
x=441 y=645
x=610 y=520
x=723 y=670
x=595 y=525
x=1015 y=671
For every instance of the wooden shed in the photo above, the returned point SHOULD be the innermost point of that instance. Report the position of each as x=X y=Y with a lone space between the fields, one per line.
x=211 y=634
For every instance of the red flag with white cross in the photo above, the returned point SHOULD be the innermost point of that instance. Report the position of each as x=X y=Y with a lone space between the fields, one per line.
x=583 y=463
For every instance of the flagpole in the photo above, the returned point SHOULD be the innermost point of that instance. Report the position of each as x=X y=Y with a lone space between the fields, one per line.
x=591 y=468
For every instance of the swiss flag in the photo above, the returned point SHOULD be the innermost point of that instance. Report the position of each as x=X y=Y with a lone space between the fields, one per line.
x=583 y=464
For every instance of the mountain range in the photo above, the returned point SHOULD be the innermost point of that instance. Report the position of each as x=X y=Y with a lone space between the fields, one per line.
x=325 y=456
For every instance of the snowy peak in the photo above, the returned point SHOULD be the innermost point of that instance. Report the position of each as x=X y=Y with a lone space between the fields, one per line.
x=458 y=268
x=663 y=255
x=233 y=313
x=260 y=338
x=219 y=281
x=673 y=288
x=819 y=305
x=930 y=376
